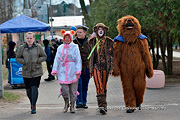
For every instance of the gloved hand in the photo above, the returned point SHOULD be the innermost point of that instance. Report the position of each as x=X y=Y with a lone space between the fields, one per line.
x=53 y=72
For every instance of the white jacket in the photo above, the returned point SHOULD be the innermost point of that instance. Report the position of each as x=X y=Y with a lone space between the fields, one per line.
x=67 y=63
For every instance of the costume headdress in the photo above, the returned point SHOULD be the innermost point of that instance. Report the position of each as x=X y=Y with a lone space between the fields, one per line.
x=70 y=33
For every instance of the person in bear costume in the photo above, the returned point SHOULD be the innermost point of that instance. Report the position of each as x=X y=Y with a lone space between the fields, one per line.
x=101 y=63
x=132 y=61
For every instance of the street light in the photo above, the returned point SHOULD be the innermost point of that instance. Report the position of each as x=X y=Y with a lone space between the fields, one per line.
x=51 y=19
x=1 y=73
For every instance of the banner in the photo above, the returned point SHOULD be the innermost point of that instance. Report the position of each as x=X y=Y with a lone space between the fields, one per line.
x=15 y=72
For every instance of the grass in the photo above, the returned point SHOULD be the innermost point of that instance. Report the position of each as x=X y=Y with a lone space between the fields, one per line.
x=9 y=97
x=173 y=79
x=5 y=72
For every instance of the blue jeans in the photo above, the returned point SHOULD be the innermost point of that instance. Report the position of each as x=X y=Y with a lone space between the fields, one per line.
x=83 y=87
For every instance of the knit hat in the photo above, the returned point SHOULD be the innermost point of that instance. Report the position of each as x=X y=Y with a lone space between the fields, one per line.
x=100 y=25
x=73 y=28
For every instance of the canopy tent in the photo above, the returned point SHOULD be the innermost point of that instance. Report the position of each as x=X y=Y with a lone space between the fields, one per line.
x=18 y=25
x=23 y=24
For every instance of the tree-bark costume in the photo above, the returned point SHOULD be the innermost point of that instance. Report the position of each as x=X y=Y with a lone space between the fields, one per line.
x=101 y=63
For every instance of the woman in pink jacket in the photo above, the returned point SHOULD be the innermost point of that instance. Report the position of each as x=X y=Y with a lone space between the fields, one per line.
x=67 y=65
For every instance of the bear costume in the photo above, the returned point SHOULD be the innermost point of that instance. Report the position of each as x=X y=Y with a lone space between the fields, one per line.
x=132 y=61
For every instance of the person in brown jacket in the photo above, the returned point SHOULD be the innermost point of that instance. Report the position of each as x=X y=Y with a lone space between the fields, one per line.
x=31 y=55
x=101 y=63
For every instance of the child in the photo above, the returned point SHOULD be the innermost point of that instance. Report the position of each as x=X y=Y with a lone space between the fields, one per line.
x=67 y=65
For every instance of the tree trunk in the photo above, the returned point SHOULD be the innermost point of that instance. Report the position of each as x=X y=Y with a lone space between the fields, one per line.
x=40 y=36
x=169 y=54
x=179 y=42
x=8 y=37
x=157 y=52
x=163 y=47
x=84 y=11
x=24 y=5
x=29 y=3
x=90 y=1
x=152 y=48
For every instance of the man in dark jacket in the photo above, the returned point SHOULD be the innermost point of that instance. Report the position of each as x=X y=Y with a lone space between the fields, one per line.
x=53 y=50
x=57 y=41
x=82 y=42
x=48 y=60
x=10 y=52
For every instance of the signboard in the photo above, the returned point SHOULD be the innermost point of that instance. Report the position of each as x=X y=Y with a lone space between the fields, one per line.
x=68 y=21
x=15 y=72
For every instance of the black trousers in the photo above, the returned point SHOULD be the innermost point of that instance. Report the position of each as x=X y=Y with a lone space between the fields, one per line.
x=32 y=85
x=49 y=68
x=29 y=82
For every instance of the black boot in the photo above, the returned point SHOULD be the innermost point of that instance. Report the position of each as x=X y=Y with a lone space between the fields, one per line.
x=138 y=106
x=102 y=104
x=34 y=99
x=72 y=110
x=47 y=79
x=130 y=111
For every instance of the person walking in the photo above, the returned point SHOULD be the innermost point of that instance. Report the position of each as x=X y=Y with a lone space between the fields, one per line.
x=48 y=60
x=57 y=41
x=31 y=55
x=82 y=41
x=68 y=65
x=10 y=52
x=101 y=63
x=53 y=47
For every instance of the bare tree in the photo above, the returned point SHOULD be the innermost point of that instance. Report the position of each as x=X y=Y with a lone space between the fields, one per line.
x=90 y=2
x=32 y=4
x=7 y=9
x=84 y=11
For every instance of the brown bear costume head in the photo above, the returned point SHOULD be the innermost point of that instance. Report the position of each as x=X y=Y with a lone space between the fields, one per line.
x=104 y=28
x=129 y=28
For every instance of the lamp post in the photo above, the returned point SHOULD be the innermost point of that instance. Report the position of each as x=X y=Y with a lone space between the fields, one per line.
x=1 y=74
x=51 y=19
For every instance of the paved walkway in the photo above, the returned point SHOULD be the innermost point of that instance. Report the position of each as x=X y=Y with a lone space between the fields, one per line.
x=158 y=104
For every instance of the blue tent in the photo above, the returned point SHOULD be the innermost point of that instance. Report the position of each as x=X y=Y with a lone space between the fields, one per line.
x=23 y=24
